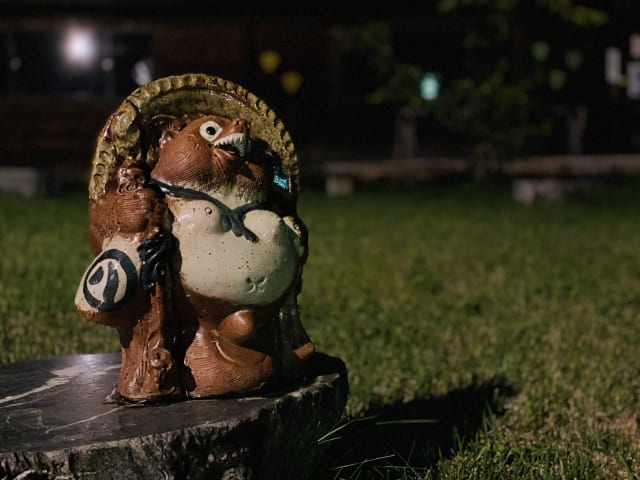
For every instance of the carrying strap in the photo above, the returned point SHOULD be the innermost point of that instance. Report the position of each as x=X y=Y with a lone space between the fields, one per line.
x=235 y=215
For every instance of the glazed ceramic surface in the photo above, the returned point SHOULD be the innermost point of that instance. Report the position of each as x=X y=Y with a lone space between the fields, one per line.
x=229 y=267
x=199 y=249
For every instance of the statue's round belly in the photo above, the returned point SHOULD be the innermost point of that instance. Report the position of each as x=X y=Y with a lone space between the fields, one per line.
x=217 y=264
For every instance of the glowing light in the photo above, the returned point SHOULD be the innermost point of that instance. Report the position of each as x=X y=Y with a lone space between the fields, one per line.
x=634 y=45
x=80 y=47
x=291 y=81
x=540 y=50
x=429 y=86
x=613 y=66
x=557 y=78
x=15 y=64
x=142 y=72
x=269 y=61
x=573 y=59
x=633 y=80
x=107 y=64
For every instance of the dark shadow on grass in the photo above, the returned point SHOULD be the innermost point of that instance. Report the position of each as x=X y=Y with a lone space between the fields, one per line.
x=411 y=437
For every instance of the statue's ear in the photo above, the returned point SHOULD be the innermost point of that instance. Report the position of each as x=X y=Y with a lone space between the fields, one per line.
x=165 y=127
x=156 y=131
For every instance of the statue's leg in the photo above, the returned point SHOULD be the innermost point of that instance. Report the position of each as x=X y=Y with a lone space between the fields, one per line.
x=293 y=335
x=149 y=371
x=227 y=359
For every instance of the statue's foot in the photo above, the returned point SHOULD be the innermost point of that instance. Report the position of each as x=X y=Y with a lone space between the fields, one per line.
x=217 y=368
x=305 y=351
x=155 y=380
x=237 y=327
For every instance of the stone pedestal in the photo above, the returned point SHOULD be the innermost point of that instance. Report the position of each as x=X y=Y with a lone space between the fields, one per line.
x=55 y=422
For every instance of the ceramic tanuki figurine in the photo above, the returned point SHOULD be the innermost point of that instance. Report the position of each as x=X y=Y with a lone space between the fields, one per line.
x=192 y=216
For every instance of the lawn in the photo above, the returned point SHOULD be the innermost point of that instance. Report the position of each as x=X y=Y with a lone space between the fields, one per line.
x=484 y=339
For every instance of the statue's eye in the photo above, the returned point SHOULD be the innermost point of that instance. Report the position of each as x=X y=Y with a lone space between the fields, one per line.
x=210 y=130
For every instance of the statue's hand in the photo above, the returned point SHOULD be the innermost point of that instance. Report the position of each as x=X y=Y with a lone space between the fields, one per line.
x=155 y=254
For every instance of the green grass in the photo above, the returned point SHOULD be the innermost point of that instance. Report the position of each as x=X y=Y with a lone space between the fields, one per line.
x=44 y=251
x=483 y=339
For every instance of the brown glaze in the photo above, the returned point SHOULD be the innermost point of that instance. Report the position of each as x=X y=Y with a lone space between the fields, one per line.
x=181 y=333
x=127 y=209
x=231 y=352
x=134 y=213
x=187 y=158
x=149 y=371
x=228 y=359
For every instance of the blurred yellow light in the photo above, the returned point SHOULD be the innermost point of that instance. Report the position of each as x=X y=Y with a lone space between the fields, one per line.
x=269 y=61
x=291 y=81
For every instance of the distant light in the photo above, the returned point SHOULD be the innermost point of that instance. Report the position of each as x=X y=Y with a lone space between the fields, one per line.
x=80 y=47
x=142 y=72
x=429 y=86
x=291 y=81
x=15 y=64
x=557 y=78
x=269 y=61
x=107 y=64
x=634 y=45
x=540 y=50
x=613 y=66
x=573 y=59
x=633 y=80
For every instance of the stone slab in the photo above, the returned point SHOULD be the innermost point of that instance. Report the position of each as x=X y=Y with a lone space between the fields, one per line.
x=55 y=423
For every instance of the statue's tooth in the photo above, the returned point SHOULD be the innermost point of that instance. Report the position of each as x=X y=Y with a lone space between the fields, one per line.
x=238 y=140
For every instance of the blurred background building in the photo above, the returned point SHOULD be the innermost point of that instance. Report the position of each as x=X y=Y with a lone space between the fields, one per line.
x=488 y=80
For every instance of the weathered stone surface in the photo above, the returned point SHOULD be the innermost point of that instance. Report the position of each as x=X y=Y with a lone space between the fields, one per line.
x=55 y=423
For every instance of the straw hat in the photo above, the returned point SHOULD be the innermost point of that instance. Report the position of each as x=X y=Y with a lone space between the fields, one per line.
x=202 y=94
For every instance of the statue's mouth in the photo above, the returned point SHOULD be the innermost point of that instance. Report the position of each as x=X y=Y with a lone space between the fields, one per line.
x=236 y=143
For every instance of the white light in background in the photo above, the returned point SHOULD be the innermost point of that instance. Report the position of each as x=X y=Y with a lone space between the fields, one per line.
x=142 y=72
x=633 y=80
x=79 y=47
x=613 y=66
